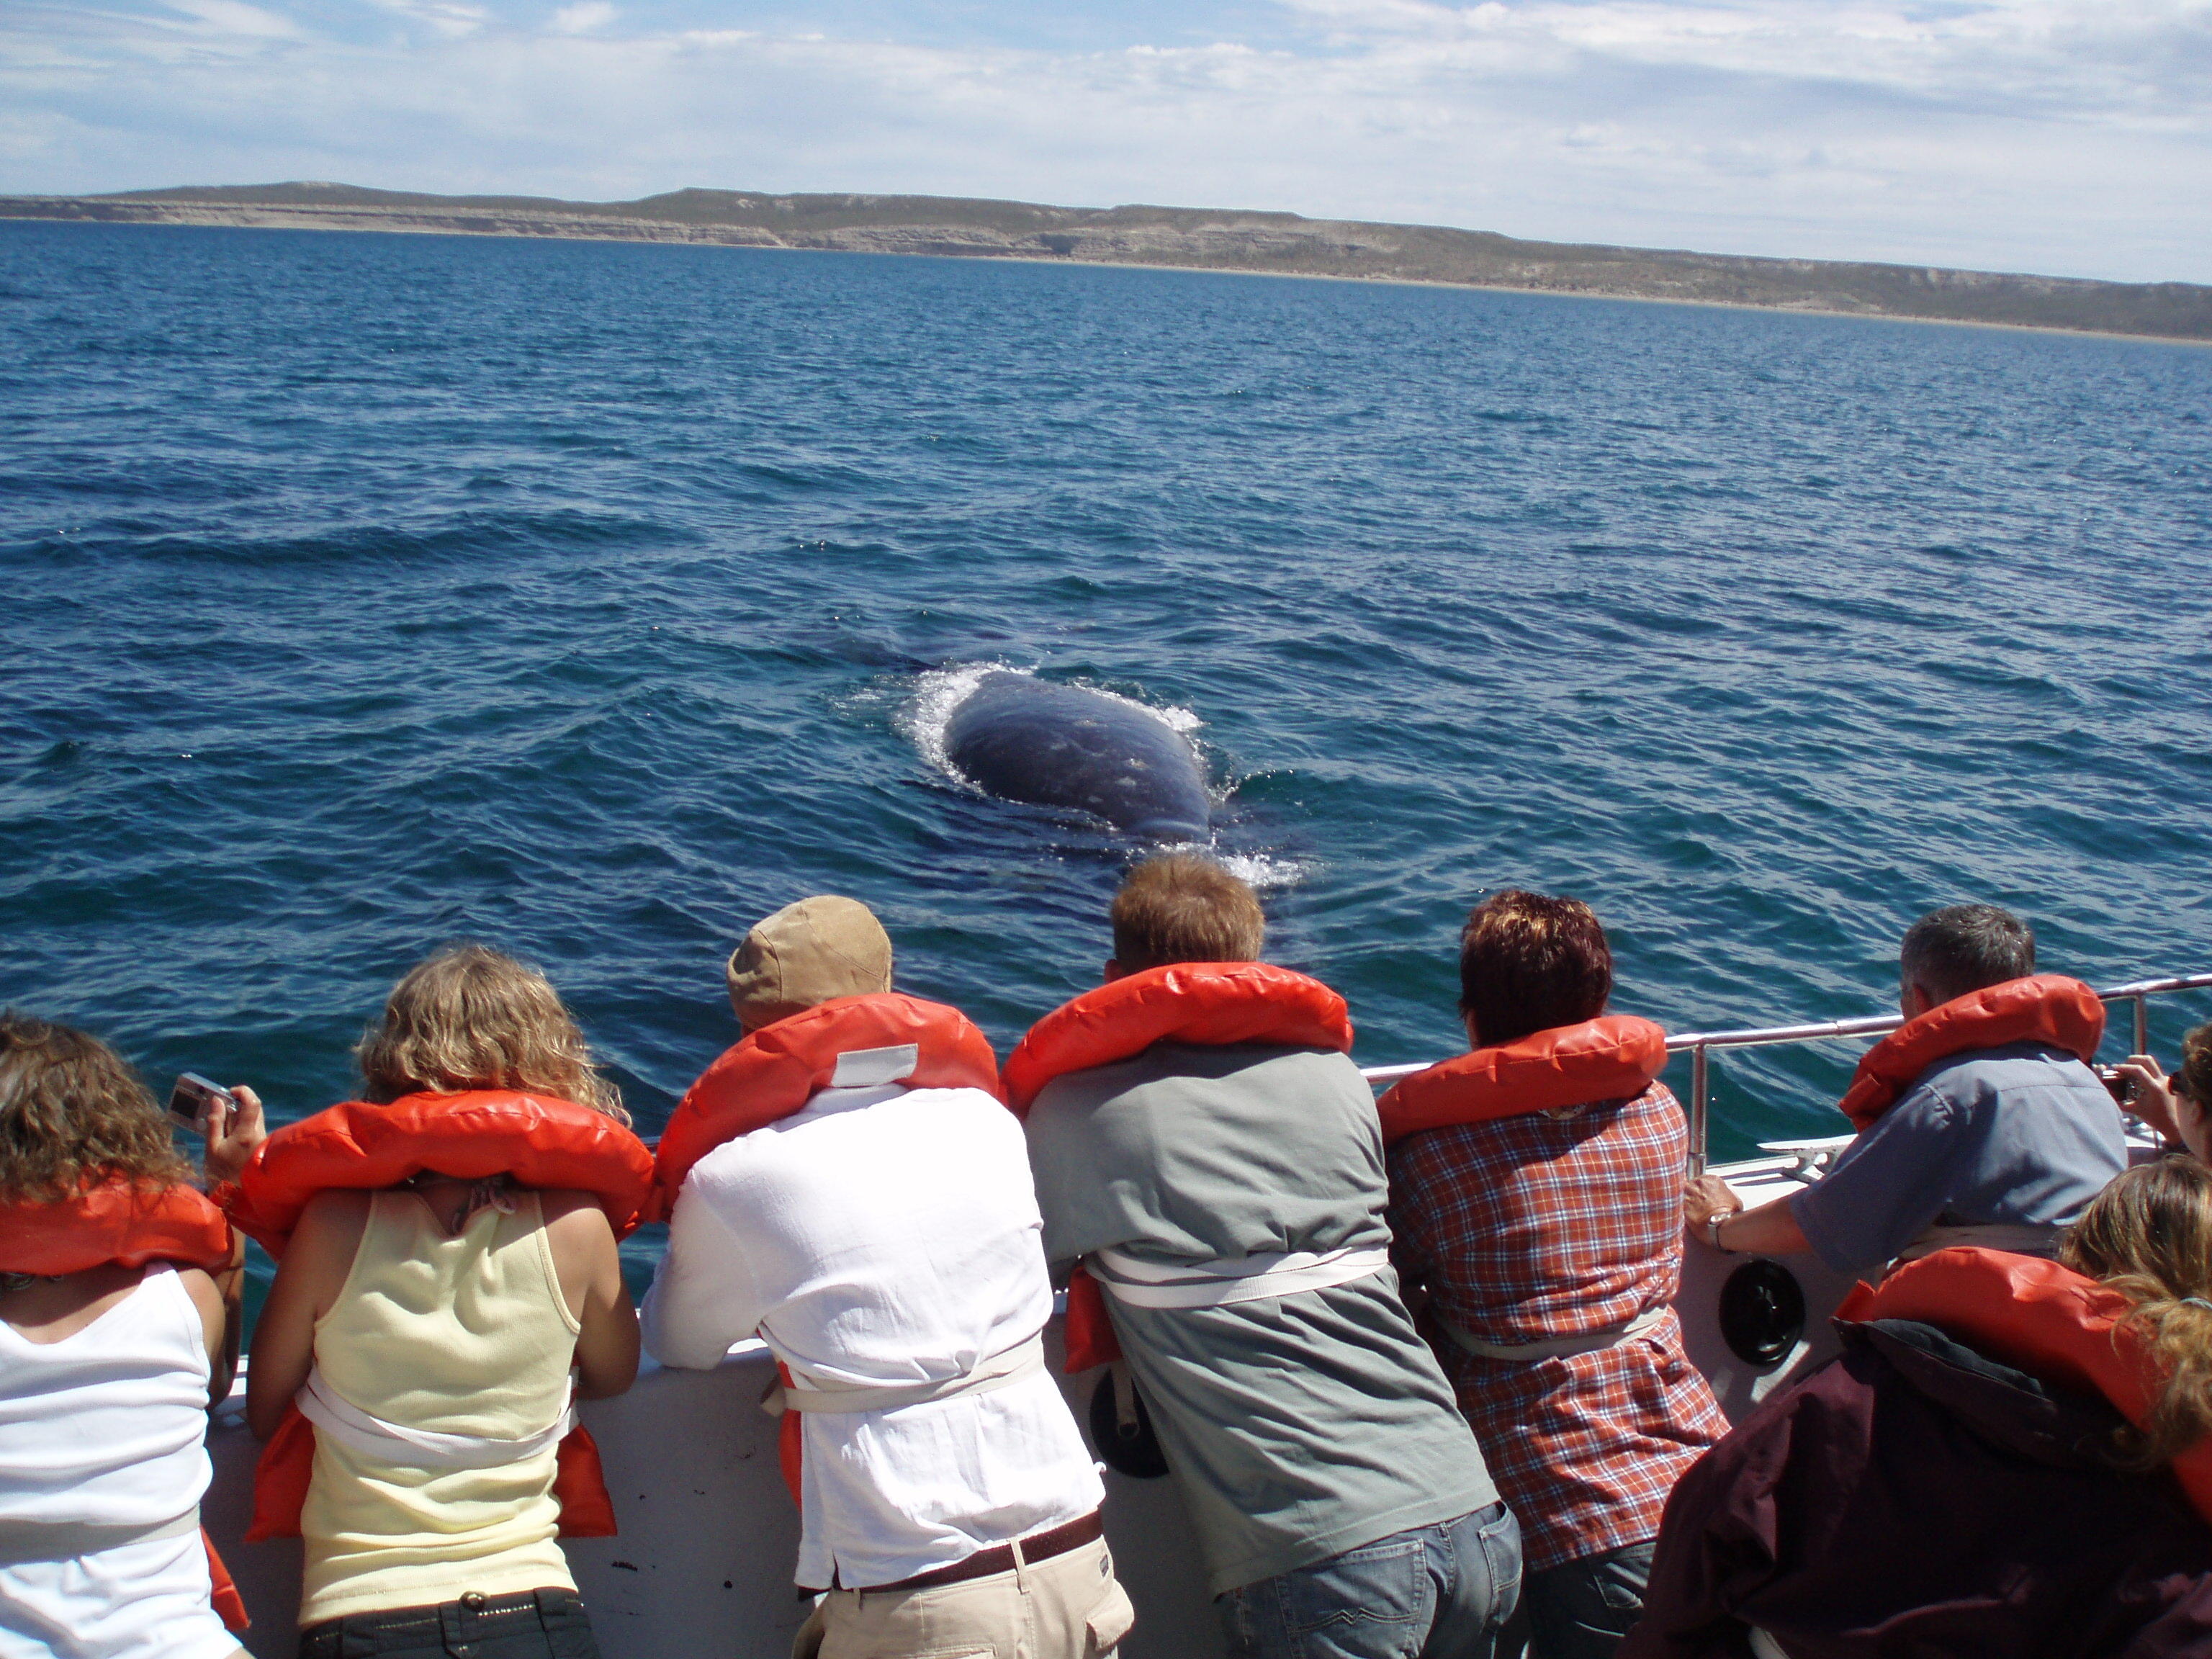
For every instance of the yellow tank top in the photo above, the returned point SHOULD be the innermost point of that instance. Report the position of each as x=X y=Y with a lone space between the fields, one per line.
x=465 y=1334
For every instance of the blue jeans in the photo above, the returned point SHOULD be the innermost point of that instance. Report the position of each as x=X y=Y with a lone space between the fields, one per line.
x=1439 y=1592
x=1582 y=1609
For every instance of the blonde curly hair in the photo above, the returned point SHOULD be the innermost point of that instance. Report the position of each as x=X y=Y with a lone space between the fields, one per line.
x=2148 y=1234
x=72 y=1111
x=471 y=1018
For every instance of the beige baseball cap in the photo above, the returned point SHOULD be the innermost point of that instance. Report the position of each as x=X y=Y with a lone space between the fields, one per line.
x=815 y=950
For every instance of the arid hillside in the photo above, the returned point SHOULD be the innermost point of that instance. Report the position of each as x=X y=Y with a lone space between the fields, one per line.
x=1196 y=238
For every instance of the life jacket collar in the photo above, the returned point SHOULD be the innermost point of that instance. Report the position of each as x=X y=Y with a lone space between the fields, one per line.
x=2055 y=1324
x=848 y=1042
x=2047 y=1008
x=1210 y=1004
x=113 y=1222
x=1613 y=1057
x=540 y=1141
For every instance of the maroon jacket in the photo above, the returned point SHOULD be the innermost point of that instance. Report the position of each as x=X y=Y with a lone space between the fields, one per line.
x=1914 y=1500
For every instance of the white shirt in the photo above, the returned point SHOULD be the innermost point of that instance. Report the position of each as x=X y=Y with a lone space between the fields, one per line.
x=108 y=1428
x=883 y=1237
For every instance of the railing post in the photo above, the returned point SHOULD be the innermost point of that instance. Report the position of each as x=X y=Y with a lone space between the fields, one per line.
x=2143 y=1026
x=1698 y=1111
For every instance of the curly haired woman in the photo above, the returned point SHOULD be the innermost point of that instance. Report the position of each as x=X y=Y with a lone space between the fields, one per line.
x=2008 y=1459
x=440 y=1319
x=106 y=1372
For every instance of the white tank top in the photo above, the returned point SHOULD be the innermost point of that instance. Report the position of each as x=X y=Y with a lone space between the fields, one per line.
x=103 y=1435
x=107 y=1427
x=466 y=1335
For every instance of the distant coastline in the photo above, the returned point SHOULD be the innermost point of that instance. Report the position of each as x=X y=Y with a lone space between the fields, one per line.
x=1273 y=244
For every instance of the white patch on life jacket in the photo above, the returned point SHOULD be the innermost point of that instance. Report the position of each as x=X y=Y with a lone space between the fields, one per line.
x=868 y=1068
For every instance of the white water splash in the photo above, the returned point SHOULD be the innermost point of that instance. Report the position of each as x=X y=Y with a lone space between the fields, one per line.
x=929 y=711
x=1261 y=872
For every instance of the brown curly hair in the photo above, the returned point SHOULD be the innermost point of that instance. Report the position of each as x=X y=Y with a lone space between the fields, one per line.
x=471 y=1018
x=2148 y=1234
x=71 y=1110
x=2195 y=1078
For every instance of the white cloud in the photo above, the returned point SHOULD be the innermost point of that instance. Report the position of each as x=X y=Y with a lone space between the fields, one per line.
x=447 y=20
x=2060 y=134
x=234 y=17
x=583 y=17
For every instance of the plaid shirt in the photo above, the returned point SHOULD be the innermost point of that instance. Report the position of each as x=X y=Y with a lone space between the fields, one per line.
x=1547 y=1225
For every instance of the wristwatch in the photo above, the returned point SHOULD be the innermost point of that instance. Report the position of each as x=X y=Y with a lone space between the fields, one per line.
x=1713 y=1228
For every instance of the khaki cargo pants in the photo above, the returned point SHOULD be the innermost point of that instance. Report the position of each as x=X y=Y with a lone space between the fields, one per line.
x=1070 y=1607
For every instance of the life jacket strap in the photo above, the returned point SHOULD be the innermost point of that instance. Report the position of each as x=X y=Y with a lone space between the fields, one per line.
x=1140 y=1284
x=1024 y=1360
x=1559 y=1347
x=2013 y=1238
x=421 y=1449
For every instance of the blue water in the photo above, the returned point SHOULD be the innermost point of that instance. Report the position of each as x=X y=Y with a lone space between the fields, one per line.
x=365 y=592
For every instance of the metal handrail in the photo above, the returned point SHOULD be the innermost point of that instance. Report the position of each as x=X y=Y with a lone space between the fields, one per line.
x=1698 y=1044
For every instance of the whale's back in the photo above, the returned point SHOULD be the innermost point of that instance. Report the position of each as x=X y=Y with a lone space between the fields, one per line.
x=1030 y=740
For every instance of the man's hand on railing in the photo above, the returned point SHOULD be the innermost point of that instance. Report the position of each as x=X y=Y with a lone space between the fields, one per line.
x=1715 y=1216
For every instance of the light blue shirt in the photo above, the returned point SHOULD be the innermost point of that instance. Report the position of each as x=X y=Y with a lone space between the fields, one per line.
x=2023 y=1133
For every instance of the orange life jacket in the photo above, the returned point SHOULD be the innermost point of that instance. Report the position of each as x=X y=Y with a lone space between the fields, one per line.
x=2047 y=1008
x=1210 y=1004
x=773 y=1071
x=113 y=1221
x=554 y=1145
x=539 y=1142
x=2044 y=1319
x=128 y=1226
x=1613 y=1057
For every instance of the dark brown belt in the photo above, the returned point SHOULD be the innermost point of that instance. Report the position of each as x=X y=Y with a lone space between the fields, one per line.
x=1039 y=1546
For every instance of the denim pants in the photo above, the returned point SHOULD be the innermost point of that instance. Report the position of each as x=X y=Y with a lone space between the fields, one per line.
x=546 y=1624
x=1581 y=1609
x=1437 y=1592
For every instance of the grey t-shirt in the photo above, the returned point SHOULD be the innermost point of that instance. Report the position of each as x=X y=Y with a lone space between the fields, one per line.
x=1298 y=1427
x=2020 y=1133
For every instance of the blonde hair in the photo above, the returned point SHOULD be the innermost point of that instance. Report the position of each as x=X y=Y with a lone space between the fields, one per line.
x=2148 y=1234
x=72 y=1111
x=471 y=1018
x=1179 y=907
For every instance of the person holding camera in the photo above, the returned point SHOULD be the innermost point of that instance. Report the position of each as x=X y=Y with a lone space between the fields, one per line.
x=2178 y=1107
x=118 y=1316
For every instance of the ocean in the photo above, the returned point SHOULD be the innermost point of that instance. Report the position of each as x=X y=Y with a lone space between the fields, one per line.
x=365 y=592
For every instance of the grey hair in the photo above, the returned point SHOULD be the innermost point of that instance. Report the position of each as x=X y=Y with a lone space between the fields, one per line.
x=1964 y=947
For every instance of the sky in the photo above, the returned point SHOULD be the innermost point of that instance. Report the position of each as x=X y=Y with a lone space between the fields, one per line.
x=2072 y=137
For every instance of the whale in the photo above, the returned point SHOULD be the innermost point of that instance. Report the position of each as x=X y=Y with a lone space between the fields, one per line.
x=1026 y=740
